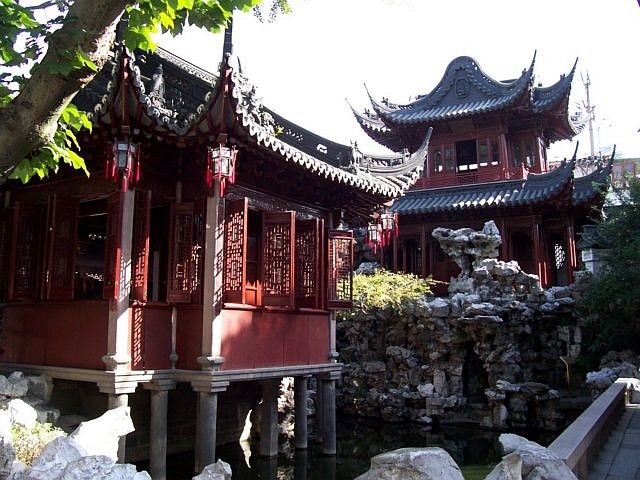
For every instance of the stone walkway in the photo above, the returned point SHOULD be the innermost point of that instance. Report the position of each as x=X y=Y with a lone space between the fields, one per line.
x=619 y=458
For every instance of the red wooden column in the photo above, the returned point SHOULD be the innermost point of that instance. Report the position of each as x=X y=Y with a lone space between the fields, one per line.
x=539 y=252
x=570 y=242
x=424 y=248
x=118 y=279
x=395 y=254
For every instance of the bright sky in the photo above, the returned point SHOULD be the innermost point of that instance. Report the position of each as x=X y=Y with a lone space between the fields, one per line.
x=306 y=63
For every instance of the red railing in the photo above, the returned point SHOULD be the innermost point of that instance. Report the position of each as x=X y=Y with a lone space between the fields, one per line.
x=482 y=175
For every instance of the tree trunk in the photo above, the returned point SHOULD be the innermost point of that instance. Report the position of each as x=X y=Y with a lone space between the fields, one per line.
x=30 y=119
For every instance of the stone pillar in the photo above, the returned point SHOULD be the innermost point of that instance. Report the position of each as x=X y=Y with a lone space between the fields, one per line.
x=301 y=464
x=269 y=425
x=300 y=404
x=158 y=428
x=328 y=426
x=207 y=416
x=116 y=401
x=118 y=357
x=319 y=404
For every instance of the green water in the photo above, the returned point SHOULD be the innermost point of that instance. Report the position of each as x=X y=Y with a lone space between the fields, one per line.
x=476 y=451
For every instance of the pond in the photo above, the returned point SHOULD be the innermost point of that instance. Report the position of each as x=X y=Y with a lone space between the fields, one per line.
x=475 y=450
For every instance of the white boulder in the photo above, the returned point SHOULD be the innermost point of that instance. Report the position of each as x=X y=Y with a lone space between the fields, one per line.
x=538 y=462
x=22 y=413
x=100 y=436
x=216 y=471
x=430 y=463
x=14 y=386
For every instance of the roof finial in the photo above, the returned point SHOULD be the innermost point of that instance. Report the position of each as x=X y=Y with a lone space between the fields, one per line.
x=227 y=49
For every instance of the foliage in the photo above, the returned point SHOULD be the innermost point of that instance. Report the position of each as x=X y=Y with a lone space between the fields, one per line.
x=611 y=301
x=24 y=38
x=29 y=442
x=385 y=289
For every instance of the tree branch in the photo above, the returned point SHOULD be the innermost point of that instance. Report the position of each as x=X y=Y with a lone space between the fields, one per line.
x=30 y=119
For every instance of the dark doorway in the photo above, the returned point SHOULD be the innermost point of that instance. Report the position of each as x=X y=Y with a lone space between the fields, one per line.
x=466 y=156
x=523 y=252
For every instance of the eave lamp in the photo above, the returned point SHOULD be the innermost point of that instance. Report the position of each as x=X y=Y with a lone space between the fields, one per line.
x=389 y=227
x=221 y=167
x=124 y=163
x=374 y=235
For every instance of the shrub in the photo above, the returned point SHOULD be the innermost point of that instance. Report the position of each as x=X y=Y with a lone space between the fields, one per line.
x=385 y=289
x=29 y=442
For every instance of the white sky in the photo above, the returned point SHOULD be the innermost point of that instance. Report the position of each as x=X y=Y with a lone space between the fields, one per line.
x=306 y=63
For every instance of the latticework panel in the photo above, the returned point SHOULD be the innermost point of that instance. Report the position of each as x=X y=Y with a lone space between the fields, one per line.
x=181 y=245
x=278 y=234
x=28 y=242
x=111 y=245
x=140 y=244
x=307 y=263
x=340 y=282
x=197 y=252
x=62 y=251
x=234 y=242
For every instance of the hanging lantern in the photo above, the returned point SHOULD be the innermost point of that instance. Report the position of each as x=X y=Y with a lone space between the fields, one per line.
x=124 y=163
x=374 y=235
x=221 y=166
x=389 y=226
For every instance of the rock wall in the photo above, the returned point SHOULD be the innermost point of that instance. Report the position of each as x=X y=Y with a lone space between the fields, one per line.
x=490 y=353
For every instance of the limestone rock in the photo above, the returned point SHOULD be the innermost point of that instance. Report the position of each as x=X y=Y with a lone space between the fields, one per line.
x=509 y=468
x=216 y=471
x=430 y=463
x=14 y=386
x=101 y=467
x=7 y=452
x=55 y=457
x=40 y=386
x=538 y=462
x=367 y=268
x=602 y=379
x=100 y=436
x=22 y=413
x=439 y=307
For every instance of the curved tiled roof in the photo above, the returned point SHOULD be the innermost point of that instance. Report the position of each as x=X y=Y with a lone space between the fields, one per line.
x=208 y=109
x=466 y=91
x=537 y=188
x=588 y=187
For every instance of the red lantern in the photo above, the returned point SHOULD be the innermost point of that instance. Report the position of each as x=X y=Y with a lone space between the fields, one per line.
x=221 y=166
x=124 y=163
x=374 y=235
x=389 y=226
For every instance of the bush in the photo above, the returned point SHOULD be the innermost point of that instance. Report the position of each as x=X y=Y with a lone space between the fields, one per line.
x=385 y=289
x=611 y=302
x=29 y=442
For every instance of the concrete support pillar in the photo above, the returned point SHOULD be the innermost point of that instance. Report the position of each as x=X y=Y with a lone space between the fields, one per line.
x=158 y=428
x=207 y=415
x=328 y=426
x=115 y=401
x=300 y=402
x=207 y=418
x=269 y=425
x=301 y=464
x=319 y=410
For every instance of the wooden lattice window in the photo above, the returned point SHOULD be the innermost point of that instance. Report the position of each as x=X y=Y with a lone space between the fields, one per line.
x=278 y=244
x=62 y=225
x=26 y=245
x=180 y=246
x=197 y=252
x=111 y=246
x=307 y=263
x=235 y=254
x=140 y=245
x=5 y=242
x=340 y=258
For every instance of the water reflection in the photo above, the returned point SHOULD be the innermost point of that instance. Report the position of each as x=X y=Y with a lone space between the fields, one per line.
x=476 y=451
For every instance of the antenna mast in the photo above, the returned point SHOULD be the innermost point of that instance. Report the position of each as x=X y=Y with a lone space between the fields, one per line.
x=590 y=112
